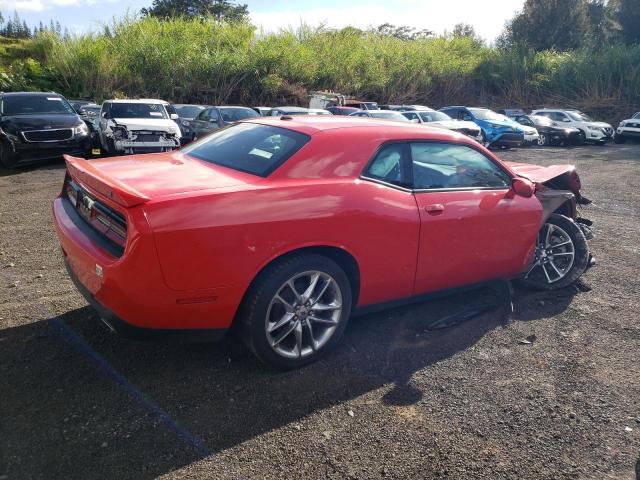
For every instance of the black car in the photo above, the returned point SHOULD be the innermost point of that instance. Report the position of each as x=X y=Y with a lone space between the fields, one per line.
x=38 y=126
x=215 y=118
x=187 y=113
x=550 y=134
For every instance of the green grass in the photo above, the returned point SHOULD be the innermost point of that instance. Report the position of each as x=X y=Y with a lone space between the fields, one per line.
x=210 y=62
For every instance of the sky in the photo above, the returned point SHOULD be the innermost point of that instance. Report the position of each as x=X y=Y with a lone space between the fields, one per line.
x=487 y=17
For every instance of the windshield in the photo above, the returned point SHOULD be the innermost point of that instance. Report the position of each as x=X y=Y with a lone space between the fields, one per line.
x=235 y=114
x=248 y=147
x=486 y=114
x=579 y=116
x=540 y=120
x=91 y=111
x=188 y=111
x=388 y=115
x=137 y=110
x=35 y=105
x=637 y=115
x=371 y=105
x=434 y=116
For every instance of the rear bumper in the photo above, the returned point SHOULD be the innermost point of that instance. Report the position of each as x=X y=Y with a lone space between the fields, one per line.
x=123 y=328
x=130 y=289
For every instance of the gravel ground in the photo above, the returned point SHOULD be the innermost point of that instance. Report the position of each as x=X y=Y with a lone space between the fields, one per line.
x=395 y=400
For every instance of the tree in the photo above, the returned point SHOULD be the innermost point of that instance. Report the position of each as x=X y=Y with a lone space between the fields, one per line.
x=548 y=24
x=629 y=19
x=464 y=30
x=402 y=32
x=219 y=9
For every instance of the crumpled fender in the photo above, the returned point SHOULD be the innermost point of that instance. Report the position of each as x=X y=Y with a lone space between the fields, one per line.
x=552 y=200
x=539 y=174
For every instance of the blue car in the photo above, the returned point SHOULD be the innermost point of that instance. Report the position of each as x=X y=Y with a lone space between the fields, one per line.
x=497 y=130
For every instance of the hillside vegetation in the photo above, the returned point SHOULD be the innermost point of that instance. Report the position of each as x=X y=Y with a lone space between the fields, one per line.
x=193 y=60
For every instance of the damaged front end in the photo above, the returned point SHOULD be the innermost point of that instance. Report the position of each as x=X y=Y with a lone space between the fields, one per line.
x=561 y=253
x=130 y=141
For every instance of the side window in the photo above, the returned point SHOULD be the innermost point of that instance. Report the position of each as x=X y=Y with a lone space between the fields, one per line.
x=204 y=114
x=388 y=166
x=411 y=115
x=213 y=115
x=443 y=165
x=464 y=115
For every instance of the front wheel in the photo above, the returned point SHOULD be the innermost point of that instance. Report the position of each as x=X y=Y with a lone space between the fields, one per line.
x=296 y=311
x=561 y=255
x=543 y=140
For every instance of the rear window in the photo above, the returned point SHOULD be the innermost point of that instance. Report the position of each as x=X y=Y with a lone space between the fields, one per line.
x=235 y=114
x=248 y=147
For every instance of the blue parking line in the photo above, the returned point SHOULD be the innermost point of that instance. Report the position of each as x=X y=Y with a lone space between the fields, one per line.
x=75 y=341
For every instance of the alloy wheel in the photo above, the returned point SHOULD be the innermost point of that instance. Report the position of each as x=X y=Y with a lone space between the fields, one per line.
x=303 y=314
x=554 y=254
x=542 y=140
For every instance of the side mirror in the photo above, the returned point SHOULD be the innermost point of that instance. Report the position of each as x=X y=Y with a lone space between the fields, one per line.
x=174 y=116
x=415 y=120
x=467 y=118
x=522 y=187
x=566 y=120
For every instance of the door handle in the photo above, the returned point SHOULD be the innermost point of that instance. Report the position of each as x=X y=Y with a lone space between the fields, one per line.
x=435 y=209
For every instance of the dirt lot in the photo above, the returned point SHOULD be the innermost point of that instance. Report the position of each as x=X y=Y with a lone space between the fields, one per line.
x=395 y=400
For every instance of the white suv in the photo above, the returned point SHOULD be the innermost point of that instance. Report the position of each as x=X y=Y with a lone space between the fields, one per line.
x=629 y=128
x=596 y=132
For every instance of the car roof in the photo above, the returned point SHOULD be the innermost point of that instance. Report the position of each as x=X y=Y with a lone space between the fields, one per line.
x=138 y=100
x=291 y=109
x=42 y=94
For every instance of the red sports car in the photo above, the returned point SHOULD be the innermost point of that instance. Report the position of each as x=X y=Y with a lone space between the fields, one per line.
x=285 y=226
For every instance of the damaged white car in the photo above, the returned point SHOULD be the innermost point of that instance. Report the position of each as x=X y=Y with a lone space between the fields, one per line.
x=137 y=126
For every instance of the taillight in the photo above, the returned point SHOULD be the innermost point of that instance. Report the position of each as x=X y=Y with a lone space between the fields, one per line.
x=111 y=224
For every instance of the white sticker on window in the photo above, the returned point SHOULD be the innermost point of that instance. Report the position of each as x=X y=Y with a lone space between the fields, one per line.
x=155 y=114
x=260 y=153
x=54 y=98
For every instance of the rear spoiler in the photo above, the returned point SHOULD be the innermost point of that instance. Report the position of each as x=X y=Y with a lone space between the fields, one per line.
x=83 y=171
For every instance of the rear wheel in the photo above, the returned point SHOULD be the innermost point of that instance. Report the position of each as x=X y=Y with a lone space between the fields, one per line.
x=296 y=311
x=561 y=255
x=582 y=138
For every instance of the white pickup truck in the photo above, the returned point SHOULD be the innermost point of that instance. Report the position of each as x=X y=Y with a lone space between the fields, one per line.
x=137 y=126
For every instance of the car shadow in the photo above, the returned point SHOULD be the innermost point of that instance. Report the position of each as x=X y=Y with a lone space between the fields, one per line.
x=44 y=165
x=63 y=417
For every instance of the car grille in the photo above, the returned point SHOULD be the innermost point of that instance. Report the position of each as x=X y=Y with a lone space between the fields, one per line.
x=633 y=125
x=608 y=131
x=511 y=137
x=51 y=135
x=147 y=137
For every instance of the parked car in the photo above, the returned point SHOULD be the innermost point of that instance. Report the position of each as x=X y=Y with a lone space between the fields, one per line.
x=279 y=111
x=628 y=129
x=343 y=110
x=247 y=227
x=319 y=111
x=382 y=114
x=511 y=112
x=549 y=134
x=262 y=111
x=407 y=108
x=215 y=118
x=496 y=130
x=137 y=126
x=442 y=120
x=594 y=132
x=78 y=104
x=187 y=112
x=361 y=104
x=37 y=126
x=90 y=113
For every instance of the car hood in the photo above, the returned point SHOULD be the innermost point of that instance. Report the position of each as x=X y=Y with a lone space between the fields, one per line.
x=162 y=124
x=455 y=124
x=134 y=179
x=599 y=124
x=38 y=122
x=538 y=173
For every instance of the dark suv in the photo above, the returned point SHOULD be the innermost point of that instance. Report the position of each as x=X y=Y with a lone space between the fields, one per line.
x=37 y=126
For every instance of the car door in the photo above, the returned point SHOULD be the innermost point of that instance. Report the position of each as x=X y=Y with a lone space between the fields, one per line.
x=473 y=228
x=199 y=123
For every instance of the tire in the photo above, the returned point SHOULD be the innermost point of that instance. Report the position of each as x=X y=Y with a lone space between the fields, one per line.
x=543 y=140
x=7 y=158
x=583 y=138
x=285 y=332
x=569 y=256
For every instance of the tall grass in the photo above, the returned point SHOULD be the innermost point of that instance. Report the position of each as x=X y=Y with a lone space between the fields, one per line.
x=210 y=62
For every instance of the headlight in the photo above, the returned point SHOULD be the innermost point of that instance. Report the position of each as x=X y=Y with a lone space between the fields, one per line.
x=595 y=129
x=185 y=123
x=622 y=124
x=173 y=130
x=493 y=125
x=81 y=129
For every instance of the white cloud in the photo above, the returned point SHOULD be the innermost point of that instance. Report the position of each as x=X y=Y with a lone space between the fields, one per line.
x=434 y=15
x=41 y=5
